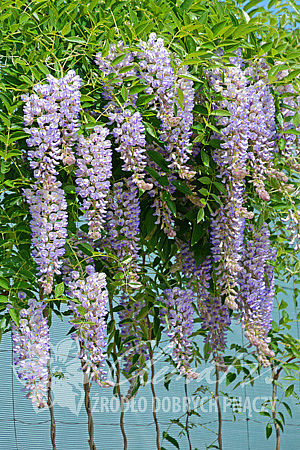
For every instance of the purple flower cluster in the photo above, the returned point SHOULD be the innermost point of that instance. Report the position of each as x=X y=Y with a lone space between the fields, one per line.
x=48 y=209
x=94 y=168
x=157 y=70
x=178 y=317
x=89 y=299
x=227 y=236
x=122 y=226
x=54 y=108
x=262 y=134
x=250 y=131
x=228 y=223
x=257 y=291
x=214 y=314
x=129 y=130
x=31 y=349
x=129 y=133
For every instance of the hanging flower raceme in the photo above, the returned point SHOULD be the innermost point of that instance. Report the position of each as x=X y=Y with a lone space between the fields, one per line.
x=228 y=222
x=31 y=349
x=227 y=236
x=177 y=316
x=156 y=68
x=214 y=314
x=129 y=134
x=257 y=291
x=122 y=226
x=94 y=162
x=54 y=108
x=89 y=299
x=47 y=206
x=262 y=133
x=128 y=129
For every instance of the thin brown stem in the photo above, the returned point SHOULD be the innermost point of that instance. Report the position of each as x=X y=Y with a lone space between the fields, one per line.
x=87 y=403
x=121 y=399
x=275 y=375
x=51 y=410
x=49 y=390
x=188 y=413
x=152 y=385
x=219 y=409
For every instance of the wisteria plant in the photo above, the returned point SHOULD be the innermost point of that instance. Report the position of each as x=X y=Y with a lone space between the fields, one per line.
x=150 y=180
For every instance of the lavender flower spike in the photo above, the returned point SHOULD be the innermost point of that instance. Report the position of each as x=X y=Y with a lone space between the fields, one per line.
x=31 y=349
x=89 y=299
x=94 y=164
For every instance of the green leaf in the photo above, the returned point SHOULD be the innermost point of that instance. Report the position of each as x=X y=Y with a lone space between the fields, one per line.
x=145 y=99
x=230 y=377
x=137 y=88
x=205 y=180
x=4 y=284
x=170 y=439
x=296 y=132
x=180 y=96
x=245 y=29
x=182 y=187
x=118 y=59
x=158 y=159
x=205 y=158
x=196 y=234
x=296 y=119
x=124 y=93
x=151 y=130
x=287 y=407
x=291 y=76
x=171 y=206
x=220 y=186
x=67 y=28
x=76 y=40
x=218 y=27
x=126 y=68
x=289 y=390
x=192 y=78
x=43 y=68
x=87 y=249
x=59 y=290
x=204 y=192
x=281 y=144
x=14 y=315
x=268 y=430
x=143 y=312
x=86 y=98
x=3 y=299
x=17 y=136
x=200 y=215
x=185 y=7
x=221 y=113
x=162 y=180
